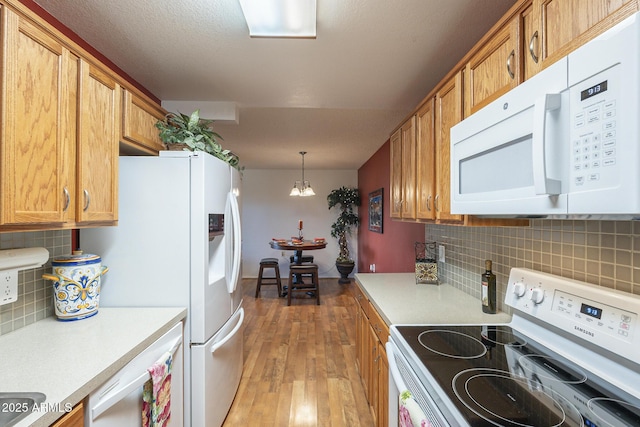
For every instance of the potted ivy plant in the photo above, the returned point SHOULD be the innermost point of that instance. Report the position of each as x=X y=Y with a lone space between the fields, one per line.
x=344 y=198
x=192 y=133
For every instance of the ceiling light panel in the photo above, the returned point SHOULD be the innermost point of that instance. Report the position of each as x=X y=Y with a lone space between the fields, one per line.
x=280 y=18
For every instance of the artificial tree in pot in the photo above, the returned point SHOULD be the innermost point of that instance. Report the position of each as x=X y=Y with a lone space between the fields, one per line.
x=345 y=199
x=191 y=133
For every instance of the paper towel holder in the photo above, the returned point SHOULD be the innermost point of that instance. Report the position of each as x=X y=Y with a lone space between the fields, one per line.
x=13 y=260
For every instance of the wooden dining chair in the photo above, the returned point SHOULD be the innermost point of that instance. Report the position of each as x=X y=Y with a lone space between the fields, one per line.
x=309 y=271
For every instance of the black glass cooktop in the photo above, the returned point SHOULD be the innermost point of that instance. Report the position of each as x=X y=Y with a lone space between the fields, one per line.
x=496 y=376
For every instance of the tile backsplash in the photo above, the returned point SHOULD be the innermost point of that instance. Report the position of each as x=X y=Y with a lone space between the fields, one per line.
x=605 y=253
x=35 y=295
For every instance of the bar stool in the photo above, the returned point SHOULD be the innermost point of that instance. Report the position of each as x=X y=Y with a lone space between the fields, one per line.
x=304 y=270
x=267 y=263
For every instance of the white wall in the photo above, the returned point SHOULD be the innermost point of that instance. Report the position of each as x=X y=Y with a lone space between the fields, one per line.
x=269 y=212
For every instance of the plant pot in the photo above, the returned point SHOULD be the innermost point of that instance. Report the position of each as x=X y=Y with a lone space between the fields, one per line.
x=177 y=147
x=345 y=268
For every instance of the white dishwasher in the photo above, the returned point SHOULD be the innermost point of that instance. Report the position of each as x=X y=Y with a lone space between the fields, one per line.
x=118 y=402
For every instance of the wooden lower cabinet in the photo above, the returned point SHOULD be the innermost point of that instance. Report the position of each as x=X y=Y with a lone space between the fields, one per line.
x=75 y=418
x=382 y=416
x=371 y=358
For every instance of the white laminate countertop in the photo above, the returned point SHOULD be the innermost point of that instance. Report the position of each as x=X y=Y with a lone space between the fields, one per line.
x=68 y=360
x=399 y=300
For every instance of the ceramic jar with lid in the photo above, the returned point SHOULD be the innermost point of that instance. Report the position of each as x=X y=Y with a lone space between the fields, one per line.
x=76 y=283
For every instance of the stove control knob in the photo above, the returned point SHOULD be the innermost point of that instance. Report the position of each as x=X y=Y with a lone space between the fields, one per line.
x=537 y=295
x=519 y=289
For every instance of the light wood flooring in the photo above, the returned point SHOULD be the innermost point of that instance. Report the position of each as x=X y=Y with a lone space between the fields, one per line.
x=299 y=361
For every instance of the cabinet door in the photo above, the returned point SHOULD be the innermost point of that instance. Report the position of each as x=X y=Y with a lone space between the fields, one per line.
x=531 y=41
x=494 y=69
x=139 y=132
x=373 y=380
x=425 y=161
x=359 y=334
x=100 y=115
x=396 y=174
x=75 y=418
x=408 y=206
x=564 y=25
x=39 y=81
x=448 y=113
x=382 y=419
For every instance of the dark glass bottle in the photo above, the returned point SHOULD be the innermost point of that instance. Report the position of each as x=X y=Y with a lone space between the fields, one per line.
x=488 y=289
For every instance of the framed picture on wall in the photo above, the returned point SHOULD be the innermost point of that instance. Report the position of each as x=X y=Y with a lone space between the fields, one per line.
x=375 y=211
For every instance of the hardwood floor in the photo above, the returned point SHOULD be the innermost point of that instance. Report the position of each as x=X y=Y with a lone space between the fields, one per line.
x=299 y=361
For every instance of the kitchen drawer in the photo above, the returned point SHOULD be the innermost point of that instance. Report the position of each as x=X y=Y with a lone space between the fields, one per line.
x=361 y=299
x=378 y=325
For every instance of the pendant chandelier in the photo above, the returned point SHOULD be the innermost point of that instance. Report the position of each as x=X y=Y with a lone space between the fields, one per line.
x=302 y=188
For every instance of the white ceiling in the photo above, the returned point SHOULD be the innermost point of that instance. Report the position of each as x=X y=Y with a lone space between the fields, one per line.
x=337 y=97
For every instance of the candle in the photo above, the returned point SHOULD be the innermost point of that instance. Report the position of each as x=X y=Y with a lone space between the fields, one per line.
x=300 y=225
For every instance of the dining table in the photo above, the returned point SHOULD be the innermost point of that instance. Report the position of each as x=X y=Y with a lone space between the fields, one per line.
x=298 y=246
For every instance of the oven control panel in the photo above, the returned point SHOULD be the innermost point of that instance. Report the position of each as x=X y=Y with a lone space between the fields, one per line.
x=605 y=317
x=595 y=315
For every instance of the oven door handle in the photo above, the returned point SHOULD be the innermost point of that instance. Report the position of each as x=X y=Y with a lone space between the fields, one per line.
x=392 y=350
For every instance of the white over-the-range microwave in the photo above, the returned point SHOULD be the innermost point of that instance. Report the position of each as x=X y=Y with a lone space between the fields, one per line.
x=563 y=144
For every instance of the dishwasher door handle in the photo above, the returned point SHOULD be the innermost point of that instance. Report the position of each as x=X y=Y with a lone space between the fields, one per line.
x=119 y=394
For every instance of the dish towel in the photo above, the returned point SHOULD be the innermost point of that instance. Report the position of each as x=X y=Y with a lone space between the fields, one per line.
x=409 y=412
x=156 y=394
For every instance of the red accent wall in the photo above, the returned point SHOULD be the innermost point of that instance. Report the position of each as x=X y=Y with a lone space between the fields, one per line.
x=393 y=250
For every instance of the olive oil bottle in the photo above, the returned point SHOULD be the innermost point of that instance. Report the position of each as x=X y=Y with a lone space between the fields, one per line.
x=488 y=289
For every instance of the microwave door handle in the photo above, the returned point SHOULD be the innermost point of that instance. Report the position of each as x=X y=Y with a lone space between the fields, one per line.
x=543 y=184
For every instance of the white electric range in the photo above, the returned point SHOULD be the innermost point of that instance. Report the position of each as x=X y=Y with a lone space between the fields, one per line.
x=569 y=357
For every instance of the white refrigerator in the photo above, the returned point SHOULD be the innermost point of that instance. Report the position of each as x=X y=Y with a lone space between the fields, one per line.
x=178 y=243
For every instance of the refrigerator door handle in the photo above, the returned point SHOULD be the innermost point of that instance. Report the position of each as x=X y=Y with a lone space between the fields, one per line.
x=236 y=242
x=235 y=330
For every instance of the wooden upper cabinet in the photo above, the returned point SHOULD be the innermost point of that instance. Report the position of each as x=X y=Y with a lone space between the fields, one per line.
x=448 y=112
x=494 y=69
x=425 y=161
x=139 y=132
x=403 y=171
x=409 y=169
x=554 y=28
x=396 y=174
x=39 y=84
x=100 y=115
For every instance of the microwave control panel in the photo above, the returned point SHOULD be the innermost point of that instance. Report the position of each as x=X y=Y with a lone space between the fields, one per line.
x=593 y=136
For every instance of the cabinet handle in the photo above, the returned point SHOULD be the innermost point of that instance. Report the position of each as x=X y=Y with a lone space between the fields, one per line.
x=87 y=200
x=435 y=203
x=67 y=199
x=531 y=52
x=429 y=203
x=511 y=55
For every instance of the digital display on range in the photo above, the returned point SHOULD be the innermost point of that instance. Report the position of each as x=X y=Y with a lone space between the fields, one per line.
x=593 y=90
x=590 y=310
